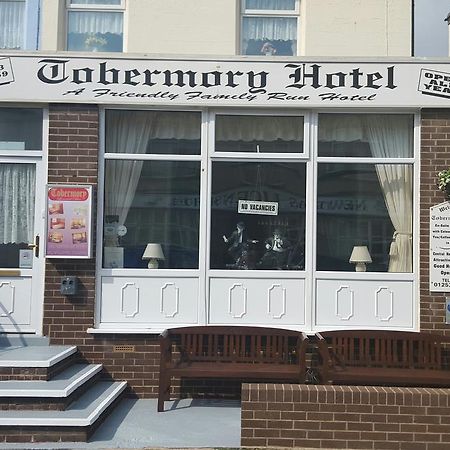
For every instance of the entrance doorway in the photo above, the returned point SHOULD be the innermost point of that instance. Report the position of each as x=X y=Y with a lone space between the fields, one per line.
x=21 y=221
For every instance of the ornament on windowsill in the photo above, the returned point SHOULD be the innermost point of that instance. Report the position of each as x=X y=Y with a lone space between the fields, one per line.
x=95 y=43
x=444 y=182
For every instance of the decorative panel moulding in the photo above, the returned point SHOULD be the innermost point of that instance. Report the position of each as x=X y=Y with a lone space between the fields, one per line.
x=384 y=304
x=7 y=298
x=276 y=300
x=237 y=301
x=170 y=300
x=129 y=300
x=344 y=303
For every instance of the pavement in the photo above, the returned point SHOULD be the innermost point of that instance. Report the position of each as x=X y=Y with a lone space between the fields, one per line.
x=186 y=423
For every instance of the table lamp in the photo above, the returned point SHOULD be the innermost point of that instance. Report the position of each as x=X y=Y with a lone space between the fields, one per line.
x=153 y=252
x=360 y=257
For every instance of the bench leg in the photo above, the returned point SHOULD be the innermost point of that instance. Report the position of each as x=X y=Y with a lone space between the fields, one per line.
x=163 y=391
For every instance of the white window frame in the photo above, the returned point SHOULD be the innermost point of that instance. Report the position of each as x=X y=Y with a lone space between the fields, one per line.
x=259 y=156
x=98 y=8
x=269 y=13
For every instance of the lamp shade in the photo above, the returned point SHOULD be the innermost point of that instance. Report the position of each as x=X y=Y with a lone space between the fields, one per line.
x=153 y=251
x=360 y=254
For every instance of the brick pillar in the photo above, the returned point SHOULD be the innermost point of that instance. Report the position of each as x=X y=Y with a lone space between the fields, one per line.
x=435 y=156
x=72 y=159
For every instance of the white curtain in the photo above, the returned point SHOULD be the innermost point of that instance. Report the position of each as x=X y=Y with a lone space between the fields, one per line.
x=95 y=22
x=95 y=2
x=390 y=136
x=260 y=128
x=283 y=5
x=127 y=133
x=17 y=188
x=270 y=28
x=12 y=24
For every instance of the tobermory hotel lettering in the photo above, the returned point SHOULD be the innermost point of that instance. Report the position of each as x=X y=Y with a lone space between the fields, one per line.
x=298 y=76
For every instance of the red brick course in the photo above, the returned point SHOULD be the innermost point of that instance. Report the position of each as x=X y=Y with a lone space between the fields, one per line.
x=345 y=417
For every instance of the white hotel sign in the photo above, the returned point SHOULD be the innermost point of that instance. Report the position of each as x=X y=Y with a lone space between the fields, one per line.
x=298 y=83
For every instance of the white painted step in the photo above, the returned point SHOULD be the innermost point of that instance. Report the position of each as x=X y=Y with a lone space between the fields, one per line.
x=61 y=386
x=82 y=412
x=35 y=356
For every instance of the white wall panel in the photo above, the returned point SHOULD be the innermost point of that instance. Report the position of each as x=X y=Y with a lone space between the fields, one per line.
x=141 y=300
x=364 y=303
x=261 y=301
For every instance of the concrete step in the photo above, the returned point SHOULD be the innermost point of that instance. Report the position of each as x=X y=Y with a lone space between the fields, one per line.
x=38 y=362
x=22 y=340
x=76 y=423
x=56 y=393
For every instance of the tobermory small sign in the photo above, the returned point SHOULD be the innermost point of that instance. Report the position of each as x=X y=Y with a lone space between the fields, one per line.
x=440 y=247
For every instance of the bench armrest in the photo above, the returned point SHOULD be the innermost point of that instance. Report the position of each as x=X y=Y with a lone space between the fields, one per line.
x=302 y=347
x=329 y=359
x=165 y=348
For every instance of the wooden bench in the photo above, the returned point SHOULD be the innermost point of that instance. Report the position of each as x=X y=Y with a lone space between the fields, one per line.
x=248 y=353
x=390 y=358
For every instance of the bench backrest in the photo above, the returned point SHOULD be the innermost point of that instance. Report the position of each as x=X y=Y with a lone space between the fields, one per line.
x=236 y=344
x=394 y=349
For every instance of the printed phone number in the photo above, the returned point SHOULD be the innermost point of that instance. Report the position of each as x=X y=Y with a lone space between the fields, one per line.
x=441 y=284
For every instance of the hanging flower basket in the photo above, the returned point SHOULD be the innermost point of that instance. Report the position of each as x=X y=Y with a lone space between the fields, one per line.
x=444 y=182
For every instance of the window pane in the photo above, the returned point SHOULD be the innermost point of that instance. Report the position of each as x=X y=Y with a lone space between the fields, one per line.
x=269 y=36
x=157 y=132
x=17 y=187
x=284 y=5
x=365 y=205
x=158 y=202
x=12 y=24
x=20 y=129
x=95 y=2
x=95 y=31
x=262 y=241
x=260 y=134
x=366 y=135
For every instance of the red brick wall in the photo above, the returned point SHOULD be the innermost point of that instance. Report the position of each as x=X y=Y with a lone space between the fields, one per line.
x=435 y=156
x=348 y=417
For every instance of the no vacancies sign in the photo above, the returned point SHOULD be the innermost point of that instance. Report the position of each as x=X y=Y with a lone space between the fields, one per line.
x=292 y=83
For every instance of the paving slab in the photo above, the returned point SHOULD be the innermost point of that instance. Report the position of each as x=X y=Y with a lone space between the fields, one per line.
x=185 y=423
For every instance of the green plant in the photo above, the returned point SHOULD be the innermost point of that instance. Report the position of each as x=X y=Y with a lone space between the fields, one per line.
x=444 y=179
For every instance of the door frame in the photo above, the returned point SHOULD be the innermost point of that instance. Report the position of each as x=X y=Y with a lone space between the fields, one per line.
x=37 y=272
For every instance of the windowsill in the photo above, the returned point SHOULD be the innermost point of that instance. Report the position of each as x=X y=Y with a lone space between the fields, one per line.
x=118 y=330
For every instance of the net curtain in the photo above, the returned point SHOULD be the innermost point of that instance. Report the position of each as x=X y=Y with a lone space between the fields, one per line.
x=17 y=187
x=12 y=15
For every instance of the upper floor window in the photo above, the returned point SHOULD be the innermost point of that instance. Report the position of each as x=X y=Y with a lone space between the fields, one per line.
x=269 y=27
x=19 y=24
x=95 y=25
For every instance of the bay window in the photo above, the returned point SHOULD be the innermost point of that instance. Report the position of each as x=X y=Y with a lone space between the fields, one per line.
x=95 y=25
x=252 y=218
x=269 y=27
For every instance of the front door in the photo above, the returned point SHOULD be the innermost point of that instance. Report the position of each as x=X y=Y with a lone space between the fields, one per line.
x=21 y=220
